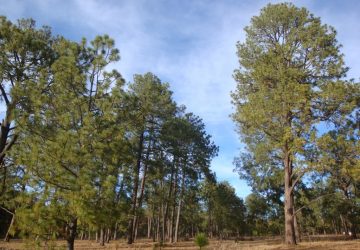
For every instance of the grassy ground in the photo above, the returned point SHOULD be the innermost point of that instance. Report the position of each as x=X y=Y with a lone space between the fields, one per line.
x=321 y=243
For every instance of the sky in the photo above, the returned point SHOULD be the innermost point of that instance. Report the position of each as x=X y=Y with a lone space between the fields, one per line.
x=190 y=44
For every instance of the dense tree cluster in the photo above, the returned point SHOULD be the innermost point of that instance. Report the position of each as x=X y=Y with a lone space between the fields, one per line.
x=84 y=155
x=299 y=119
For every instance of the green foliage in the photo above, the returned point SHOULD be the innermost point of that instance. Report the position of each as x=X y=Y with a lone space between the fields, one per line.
x=226 y=211
x=84 y=140
x=289 y=80
x=81 y=151
x=201 y=240
x=283 y=88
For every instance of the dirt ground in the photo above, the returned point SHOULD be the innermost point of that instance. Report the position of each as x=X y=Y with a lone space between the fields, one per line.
x=337 y=243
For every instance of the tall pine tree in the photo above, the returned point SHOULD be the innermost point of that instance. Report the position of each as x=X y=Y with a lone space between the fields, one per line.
x=289 y=80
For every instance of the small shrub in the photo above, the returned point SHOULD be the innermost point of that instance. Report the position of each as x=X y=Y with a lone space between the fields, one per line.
x=201 y=240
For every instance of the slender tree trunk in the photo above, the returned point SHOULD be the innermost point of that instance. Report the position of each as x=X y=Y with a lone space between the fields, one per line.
x=3 y=186
x=177 y=221
x=149 y=227
x=290 y=237
x=153 y=224
x=82 y=235
x=297 y=230
x=210 y=226
x=334 y=226
x=345 y=226
x=115 y=231
x=102 y=237
x=162 y=235
x=158 y=228
x=7 y=236
x=171 y=224
x=135 y=228
x=5 y=143
x=350 y=217
x=135 y=190
x=179 y=206
x=72 y=229
x=168 y=229
x=167 y=202
x=142 y=190
x=108 y=235
x=353 y=230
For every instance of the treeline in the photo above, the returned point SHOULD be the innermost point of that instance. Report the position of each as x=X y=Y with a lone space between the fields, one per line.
x=85 y=155
x=299 y=118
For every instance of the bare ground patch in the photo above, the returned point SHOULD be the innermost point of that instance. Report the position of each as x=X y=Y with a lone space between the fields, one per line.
x=322 y=243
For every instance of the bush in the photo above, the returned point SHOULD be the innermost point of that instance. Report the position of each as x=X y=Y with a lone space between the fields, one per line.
x=201 y=240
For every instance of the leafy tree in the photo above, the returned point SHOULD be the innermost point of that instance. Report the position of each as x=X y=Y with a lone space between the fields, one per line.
x=289 y=80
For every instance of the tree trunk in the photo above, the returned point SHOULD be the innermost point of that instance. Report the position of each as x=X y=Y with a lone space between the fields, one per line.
x=149 y=227
x=72 y=227
x=153 y=223
x=171 y=224
x=135 y=190
x=135 y=228
x=351 y=216
x=115 y=231
x=3 y=186
x=102 y=237
x=162 y=235
x=334 y=226
x=353 y=230
x=290 y=237
x=179 y=206
x=142 y=190
x=7 y=236
x=297 y=230
x=345 y=226
x=158 y=228
x=165 y=217
x=82 y=235
x=108 y=235
x=5 y=143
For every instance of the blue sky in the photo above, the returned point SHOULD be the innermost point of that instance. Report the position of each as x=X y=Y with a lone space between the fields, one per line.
x=188 y=43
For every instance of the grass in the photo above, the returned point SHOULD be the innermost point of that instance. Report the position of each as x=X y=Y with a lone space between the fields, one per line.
x=321 y=243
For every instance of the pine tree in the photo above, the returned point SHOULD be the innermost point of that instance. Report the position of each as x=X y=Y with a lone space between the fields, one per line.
x=151 y=104
x=338 y=157
x=25 y=55
x=289 y=80
x=65 y=140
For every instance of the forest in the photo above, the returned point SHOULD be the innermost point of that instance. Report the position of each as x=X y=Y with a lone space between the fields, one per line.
x=88 y=155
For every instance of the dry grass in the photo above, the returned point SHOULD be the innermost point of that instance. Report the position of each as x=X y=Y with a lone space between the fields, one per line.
x=328 y=243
